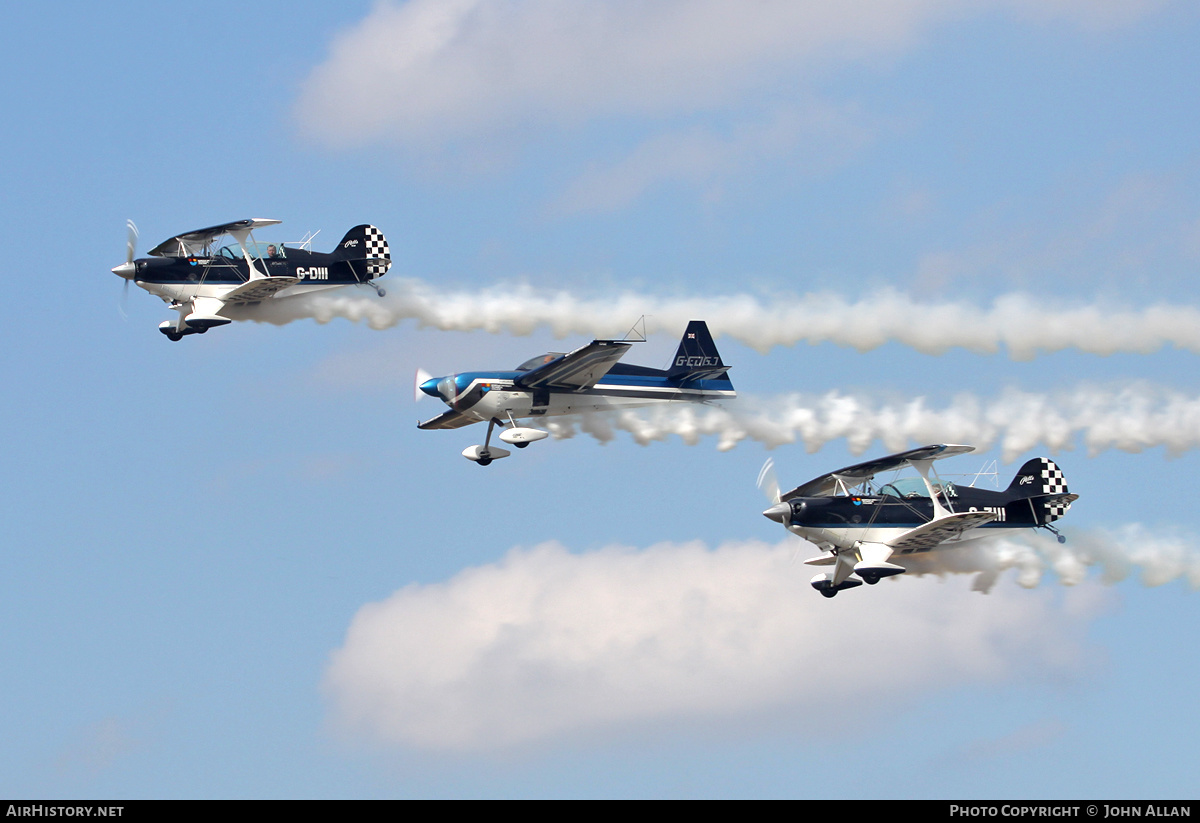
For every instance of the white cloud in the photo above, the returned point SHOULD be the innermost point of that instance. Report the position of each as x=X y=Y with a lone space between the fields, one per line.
x=547 y=644
x=426 y=70
x=819 y=136
x=1137 y=232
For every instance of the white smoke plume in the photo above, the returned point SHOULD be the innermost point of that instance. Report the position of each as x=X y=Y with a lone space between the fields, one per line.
x=1129 y=551
x=1020 y=324
x=1131 y=418
x=547 y=644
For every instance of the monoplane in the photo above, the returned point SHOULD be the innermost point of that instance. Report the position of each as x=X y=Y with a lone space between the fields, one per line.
x=204 y=280
x=583 y=381
x=867 y=529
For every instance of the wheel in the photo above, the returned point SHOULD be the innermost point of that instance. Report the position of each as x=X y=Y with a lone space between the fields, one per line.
x=520 y=445
x=483 y=461
x=868 y=578
x=829 y=592
x=174 y=336
x=202 y=330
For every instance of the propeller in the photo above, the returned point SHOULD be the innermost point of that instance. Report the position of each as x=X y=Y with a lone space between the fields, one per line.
x=127 y=270
x=131 y=238
x=768 y=483
x=420 y=378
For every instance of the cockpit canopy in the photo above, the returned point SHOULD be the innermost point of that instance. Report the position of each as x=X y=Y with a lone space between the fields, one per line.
x=910 y=487
x=540 y=360
x=258 y=250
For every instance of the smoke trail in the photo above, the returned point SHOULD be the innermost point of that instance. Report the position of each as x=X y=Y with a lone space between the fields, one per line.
x=1021 y=324
x=1130 y=550
x=1130 y=418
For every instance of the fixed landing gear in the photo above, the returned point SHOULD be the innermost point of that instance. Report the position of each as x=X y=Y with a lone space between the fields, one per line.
x=175 y=333
x=1061 y=537
x=825 y=586
x=515 y=436
x=485 y=454
x=872 y=574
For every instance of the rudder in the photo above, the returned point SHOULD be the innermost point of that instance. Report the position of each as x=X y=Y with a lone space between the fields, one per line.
x=366 y=243
x=697 y=357
x=1041 y=477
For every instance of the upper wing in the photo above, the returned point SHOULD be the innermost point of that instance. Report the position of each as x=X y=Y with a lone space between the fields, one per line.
x=182 y=245
x=827 y=484
x=580 y=369
x=930 y=535
x=449 y=420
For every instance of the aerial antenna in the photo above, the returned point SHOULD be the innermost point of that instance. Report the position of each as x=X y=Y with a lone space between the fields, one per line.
x=637 y=333
x=988 y=470
x=306 y=242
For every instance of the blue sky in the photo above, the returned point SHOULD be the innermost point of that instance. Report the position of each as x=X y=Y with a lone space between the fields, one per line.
x=233 y=567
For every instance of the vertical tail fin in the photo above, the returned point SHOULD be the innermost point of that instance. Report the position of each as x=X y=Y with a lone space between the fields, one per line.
x=1041 y=477
x=366 y=249
x=697 y=357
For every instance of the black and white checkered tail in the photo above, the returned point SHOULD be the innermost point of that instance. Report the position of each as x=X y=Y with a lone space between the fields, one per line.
x=377 y=250
x=1041 y=477
x=367 y=244
x=1054 y=483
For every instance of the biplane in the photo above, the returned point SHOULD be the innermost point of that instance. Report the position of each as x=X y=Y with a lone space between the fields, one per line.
x=201 y=275
x=866 y=528
x=586 y=380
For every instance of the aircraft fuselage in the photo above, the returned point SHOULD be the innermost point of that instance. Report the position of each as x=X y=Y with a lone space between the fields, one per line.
x=493 y=395
x=185 y=278
x=881 y=518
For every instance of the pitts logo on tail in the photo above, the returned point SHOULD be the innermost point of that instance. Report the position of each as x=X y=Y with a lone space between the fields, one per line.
x=906 y=516
x=201 y=279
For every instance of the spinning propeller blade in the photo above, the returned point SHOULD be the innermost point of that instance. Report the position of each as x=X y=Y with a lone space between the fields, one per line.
x=127 y=270
x=420 y=378
x=131 y=238
x=768 y=483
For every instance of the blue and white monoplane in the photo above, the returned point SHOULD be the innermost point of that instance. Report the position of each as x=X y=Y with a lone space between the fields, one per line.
x=583 y=381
